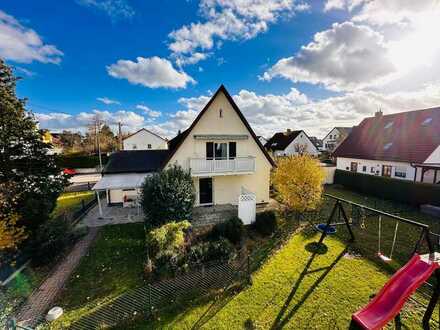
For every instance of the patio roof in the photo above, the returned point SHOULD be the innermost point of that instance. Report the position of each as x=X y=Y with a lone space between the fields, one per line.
x=121 y=181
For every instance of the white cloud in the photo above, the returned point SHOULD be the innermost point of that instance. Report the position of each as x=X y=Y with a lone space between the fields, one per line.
x=21 y=44
x=153 y=72
x=345 y=57
x=227 y=20
x=115 y=9
x=107 y=101
x=342 y=4
x=148 y=111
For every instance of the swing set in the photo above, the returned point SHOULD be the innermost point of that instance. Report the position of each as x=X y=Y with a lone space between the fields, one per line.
x=387 y=304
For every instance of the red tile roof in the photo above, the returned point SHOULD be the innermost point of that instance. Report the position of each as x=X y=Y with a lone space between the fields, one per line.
x=406 y=137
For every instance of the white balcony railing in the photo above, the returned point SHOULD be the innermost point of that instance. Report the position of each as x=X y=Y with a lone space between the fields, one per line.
x=200 y=166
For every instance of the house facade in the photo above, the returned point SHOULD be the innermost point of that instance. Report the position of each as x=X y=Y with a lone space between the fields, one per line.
x=335 y=137
x=220 y=149
x=291 y=143
x=403 y=146
x=144 y=140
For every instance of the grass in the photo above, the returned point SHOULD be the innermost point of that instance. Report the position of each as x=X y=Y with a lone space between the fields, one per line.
x=113 y=266
x=295 y=289
x=71 y=202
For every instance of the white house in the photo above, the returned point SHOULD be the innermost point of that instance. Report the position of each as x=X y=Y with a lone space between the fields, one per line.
x=144 y=140
x=335 y=137
x=291 y=143
x=402 y=145
x=219 y=148
x=262 y=140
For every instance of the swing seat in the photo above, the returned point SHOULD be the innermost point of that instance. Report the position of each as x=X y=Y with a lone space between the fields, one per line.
x=384 y=258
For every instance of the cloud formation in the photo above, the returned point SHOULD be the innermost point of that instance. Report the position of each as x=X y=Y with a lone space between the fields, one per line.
x=107 y=101
x=345 y=57
x=227 y=20
x=153 y=72
x=148 y=111
x=115 y=9
x=21 y=44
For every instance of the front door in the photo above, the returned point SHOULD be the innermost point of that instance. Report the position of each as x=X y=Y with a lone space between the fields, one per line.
x=205 y=190
x=386 y=170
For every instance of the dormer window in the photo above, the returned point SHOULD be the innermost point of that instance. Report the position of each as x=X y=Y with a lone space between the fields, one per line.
x=220 y=112
x=427 y=121
x=388 y=125
x=387 y=146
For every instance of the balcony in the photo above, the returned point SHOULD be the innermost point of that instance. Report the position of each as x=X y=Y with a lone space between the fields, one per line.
x=238 y=165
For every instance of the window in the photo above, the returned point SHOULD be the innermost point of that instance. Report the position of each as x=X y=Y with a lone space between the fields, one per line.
x=387 y=146
x=400 y=171
x=134 y=147
x=388 y=125
x=209 y=150
x=220 y=113
x=364 y=168
x=386 y=170
x=373 y=170
x=220 y=150
x=427 y=121
x=149 y=146
x=232 y=150
x=354 y=167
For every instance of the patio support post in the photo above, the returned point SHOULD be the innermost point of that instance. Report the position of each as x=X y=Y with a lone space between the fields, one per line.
x=99 y=203
x=415 y=175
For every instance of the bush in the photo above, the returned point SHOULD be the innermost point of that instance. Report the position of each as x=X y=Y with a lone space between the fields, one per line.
x=403 y=191
x=168 y=195
x=233 y=230
x=51 y=240
x=266 y=222
x=221 y=250
x=80 y=161
x=168 y=240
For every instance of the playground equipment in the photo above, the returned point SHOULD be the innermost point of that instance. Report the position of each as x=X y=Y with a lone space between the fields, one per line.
x=387 y=304
x=330 y=230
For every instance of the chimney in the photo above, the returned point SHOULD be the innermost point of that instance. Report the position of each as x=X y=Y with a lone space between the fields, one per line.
x=288 y=131
x=378 y=114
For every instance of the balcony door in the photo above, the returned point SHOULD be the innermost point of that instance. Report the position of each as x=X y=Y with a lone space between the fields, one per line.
x=221 y=150
x=205 y=191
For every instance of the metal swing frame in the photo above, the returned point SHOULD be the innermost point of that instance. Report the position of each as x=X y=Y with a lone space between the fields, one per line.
x=424 y=235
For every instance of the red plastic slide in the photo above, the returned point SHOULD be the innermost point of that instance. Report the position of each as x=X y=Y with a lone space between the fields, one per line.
x=390 y=300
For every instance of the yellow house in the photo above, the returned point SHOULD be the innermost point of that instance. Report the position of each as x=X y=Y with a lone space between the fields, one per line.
x=220 y=149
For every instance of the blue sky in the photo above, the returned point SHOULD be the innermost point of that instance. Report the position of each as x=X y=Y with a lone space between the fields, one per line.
x=289 y=64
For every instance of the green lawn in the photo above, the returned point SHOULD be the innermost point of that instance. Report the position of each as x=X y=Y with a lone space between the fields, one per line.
x=71 y=202
x=295 y=289
x=113 y=265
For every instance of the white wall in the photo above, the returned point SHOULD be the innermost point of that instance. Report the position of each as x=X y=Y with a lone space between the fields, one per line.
x=331 y=139
x=144 y=140
x=434 y=158
x=376 y=165
x=301 y=139
x=329 y=173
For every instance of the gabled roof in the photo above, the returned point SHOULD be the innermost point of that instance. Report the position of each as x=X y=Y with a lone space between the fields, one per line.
x=176 y=142
x=144 y=129
x=135 y=161
x=343 y=130
x=406 y=137
x=281 y=140
x=317 y=142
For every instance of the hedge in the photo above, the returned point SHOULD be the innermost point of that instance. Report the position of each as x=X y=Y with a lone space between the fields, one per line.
x=80 y=161
x=403 y=191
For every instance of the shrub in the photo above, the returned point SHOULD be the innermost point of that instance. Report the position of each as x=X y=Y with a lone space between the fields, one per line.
x=221 y=250
x=168 y=195
x=51 y=239
x=266 y=222
x=168 y=240
x=403 y=191
x=233 y=230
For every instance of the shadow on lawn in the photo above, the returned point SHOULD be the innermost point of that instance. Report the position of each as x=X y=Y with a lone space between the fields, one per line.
x=284 y=314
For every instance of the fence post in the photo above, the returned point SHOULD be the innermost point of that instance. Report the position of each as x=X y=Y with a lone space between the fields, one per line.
x=83 y=205
x=150 y=302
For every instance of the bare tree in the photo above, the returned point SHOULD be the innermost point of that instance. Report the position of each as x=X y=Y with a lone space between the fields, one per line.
x=300 y=149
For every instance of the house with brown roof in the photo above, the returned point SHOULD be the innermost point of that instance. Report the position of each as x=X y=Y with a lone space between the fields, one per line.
x=335 y=137
x=403 y=145
x=220 y=149
x=291 y=143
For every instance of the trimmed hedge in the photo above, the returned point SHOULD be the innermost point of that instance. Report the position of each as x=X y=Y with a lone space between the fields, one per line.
x=403 y=191
x=80 y=161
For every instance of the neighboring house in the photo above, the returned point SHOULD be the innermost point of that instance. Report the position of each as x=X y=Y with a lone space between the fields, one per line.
x=402 y=145
x=291 y=143
x=220 y=148
x=317 y=142
x=54 y=139
x=262 y=140
x=335 y=137
x=144 y=140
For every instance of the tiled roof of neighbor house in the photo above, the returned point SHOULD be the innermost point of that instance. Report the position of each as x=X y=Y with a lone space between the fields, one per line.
x=135 y=161
x=407 y=137
x=317 y=142
x=280 y=140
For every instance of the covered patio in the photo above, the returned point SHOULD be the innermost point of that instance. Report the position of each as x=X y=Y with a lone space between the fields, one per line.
x=425 y=172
